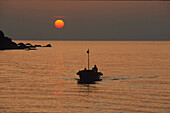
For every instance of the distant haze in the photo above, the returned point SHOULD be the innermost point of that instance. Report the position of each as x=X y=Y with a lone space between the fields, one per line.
x=95 y=20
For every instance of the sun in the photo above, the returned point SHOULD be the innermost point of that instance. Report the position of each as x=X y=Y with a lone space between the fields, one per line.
x=59 y=23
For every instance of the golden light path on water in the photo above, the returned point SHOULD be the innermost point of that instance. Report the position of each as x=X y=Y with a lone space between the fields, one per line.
x=136 y=78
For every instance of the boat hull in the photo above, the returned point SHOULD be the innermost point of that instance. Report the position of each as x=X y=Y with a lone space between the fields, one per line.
x=89 y=76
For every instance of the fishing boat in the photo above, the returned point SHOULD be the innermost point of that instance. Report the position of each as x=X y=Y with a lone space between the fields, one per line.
x=89 y=76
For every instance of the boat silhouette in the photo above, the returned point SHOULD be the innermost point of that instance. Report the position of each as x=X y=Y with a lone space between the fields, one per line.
x=89 y=76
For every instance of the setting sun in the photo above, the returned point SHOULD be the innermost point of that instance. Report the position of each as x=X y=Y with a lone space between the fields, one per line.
x=59 y=23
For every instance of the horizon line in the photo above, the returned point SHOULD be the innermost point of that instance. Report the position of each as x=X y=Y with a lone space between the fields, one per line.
x=85 y=0
x=84 y=40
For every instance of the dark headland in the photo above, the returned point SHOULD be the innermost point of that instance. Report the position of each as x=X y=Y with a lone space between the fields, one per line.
x=6 y=43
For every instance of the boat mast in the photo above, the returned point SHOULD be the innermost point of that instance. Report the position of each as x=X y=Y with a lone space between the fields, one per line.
x=88 y=58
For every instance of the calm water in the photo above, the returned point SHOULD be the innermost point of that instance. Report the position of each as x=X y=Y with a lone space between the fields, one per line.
x=136 y=78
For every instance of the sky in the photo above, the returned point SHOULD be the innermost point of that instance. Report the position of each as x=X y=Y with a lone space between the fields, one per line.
x=85 y=20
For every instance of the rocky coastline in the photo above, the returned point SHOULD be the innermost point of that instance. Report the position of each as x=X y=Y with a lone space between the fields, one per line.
x=6 y=43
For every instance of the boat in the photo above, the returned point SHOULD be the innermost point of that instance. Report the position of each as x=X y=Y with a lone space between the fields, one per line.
x=89 y=76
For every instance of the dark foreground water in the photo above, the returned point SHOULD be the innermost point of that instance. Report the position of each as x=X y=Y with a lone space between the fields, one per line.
x=136 y=78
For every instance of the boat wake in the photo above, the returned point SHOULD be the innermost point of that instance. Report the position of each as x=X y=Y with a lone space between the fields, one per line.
x=135 y=78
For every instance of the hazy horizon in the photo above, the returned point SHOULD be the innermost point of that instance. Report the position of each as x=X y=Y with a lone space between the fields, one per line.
x=93 y=20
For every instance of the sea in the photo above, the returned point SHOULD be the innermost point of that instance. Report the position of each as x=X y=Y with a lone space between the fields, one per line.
x=136 y=77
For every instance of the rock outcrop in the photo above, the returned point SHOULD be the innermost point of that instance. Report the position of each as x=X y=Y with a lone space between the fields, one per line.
x=48 y=45
x=6 y=43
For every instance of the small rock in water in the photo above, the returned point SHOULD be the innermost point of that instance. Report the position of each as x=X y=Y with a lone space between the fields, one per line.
x=48 y=45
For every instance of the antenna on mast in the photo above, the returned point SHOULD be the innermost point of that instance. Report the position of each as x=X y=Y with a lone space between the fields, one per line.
x=88 y=58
